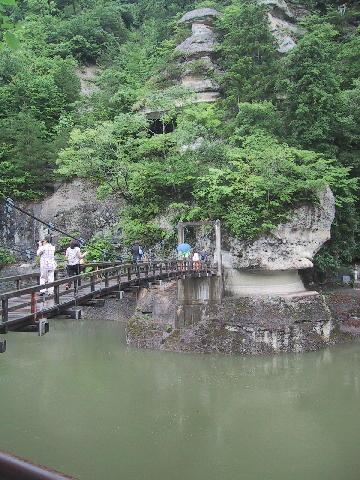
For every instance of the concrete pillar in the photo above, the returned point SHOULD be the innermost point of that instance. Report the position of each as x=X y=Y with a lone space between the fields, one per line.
x=181 y=237
x=217 y=253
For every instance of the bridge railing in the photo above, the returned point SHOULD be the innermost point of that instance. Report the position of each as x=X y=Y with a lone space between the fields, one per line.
x=123 y=273
x=18 y=281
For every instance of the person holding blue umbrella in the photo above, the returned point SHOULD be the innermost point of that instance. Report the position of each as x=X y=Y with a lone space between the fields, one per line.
x=184 y=250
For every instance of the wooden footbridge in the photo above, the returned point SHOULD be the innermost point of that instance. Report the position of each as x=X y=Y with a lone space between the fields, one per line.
x=23 y=305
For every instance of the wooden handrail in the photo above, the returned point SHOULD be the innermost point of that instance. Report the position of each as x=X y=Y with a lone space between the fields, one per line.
x=27 y=276
x=127 y=273
x=13 y=278
x=36 y=288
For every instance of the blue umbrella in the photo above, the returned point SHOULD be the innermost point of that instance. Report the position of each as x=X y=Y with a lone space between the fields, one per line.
x=183 y=248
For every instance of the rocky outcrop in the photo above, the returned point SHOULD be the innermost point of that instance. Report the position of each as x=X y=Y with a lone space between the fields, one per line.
x=87 y=76
x=249 y=325
x=195 y=66
x=160 y=303
x=292 y=245
x=196 y=54
x=73 y=207
x=283 y=18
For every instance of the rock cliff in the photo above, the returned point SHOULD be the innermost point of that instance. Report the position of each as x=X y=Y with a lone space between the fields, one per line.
x=73 y=207
x=197 y=54
x=283 y=18
x=263 y=324
x=292 y=245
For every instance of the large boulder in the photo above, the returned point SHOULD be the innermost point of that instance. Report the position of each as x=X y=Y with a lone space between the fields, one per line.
x=200 y=15
x=292 y=245
x=202 y=41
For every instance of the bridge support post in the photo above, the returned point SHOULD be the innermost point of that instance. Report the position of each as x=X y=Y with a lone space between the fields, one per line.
x=56 y=290
x=5 y=309
x=33 y=302
x=56 y=294
x=181 y=236
x=92 y=282
x=118 y=276
x=106 y=280
x=217 y=253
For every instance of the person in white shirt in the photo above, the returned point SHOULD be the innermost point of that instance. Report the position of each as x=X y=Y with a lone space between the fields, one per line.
x=48 y=265
x=73 y=256
x=196 y=261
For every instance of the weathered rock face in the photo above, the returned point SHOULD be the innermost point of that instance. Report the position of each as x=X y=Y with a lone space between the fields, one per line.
x=292 y=245
x=283 y=18
x=202 y=15
x=199 y=322
x=87 y=77
x=160 y=303
x=196 y=54
x=196 y=63
x=73 y=207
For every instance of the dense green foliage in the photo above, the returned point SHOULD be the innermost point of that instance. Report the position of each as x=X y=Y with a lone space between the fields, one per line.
x=287 y=125
x=6 y=257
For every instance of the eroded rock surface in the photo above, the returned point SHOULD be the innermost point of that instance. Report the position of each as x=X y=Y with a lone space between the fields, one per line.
x=283 y=19
x=73 y=207
x=196 y=54
x=292 y=245
x=87 y=76
x=247 y=325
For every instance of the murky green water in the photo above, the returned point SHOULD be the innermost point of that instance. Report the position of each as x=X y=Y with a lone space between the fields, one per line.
x=82 y=402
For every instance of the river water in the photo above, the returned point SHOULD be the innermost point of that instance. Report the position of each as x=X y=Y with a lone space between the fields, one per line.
x=81 y=401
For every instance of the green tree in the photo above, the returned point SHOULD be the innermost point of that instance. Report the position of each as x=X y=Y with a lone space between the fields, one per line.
x=312 y=88
x=6 y=25
x=247 y=54
x=25 y=155
x=263 y=180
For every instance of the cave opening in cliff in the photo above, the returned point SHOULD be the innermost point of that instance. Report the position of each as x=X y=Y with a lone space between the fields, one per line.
x=157 y=126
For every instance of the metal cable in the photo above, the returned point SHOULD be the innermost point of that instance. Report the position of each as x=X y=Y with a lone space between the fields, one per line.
x=11 y=204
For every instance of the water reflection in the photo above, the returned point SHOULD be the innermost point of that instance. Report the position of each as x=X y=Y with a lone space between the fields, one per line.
x=81 y=401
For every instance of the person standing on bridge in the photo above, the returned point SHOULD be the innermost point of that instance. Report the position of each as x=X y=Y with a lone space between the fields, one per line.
x=46 y=252
x=196 y=261
x=136 y=252
x=73 y=256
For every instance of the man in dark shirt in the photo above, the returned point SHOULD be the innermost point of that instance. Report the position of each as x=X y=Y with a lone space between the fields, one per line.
x=136 y=252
